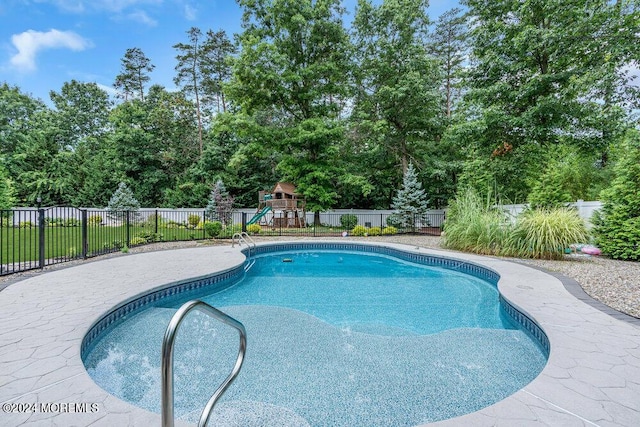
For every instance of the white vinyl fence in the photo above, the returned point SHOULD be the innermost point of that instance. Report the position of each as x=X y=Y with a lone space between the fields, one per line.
x=372 y=218
x=585 y=209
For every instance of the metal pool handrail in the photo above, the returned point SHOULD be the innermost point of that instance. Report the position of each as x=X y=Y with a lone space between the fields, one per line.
x=167 y=359
x=244 y=237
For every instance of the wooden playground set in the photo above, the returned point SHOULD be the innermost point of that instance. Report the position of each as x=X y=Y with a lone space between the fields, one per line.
x=280 y=208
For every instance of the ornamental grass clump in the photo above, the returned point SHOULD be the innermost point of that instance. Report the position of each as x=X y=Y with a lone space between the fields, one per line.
x=546 y=233
x=475 y=225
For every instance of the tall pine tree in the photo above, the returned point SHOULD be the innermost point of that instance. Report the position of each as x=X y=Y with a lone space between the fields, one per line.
x=134 y=75
x=189 y=72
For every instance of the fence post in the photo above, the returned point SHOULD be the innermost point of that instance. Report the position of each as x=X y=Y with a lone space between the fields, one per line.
x=41 y=228
x=85 y=242
x=244 y=222
x=156 y=227
x=128 y=238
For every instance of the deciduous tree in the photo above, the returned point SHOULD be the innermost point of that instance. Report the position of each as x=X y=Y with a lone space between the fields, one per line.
x=536 y=79
x=290 y=75
x=397 y=98
x=81 y=111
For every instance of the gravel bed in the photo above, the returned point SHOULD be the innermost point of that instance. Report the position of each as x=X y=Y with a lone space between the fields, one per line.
x=614 y=283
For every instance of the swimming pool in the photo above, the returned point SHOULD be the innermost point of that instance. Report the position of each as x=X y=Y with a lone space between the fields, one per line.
x=335 y=338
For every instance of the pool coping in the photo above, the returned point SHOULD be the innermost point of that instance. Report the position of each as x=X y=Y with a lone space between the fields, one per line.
x=592 y=376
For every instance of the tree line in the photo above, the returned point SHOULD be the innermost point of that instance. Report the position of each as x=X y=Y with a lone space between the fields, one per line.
x=527 y=100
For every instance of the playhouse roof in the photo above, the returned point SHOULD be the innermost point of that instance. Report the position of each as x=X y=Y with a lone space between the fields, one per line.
x=284 y=187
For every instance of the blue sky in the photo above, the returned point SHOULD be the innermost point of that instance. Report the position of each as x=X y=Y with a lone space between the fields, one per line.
x=44 y=43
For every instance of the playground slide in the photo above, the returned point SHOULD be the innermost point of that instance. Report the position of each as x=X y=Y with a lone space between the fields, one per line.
x=259 y=215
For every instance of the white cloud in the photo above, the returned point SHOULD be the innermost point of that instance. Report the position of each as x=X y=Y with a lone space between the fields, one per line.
x=190 y=12
x=119 y=9
x=74 y=6
x=109 y=89
x=80 y=6
x=31 y=42
x=120 y=5
x=142 y=17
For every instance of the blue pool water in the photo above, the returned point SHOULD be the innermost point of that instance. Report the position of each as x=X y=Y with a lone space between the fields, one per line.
x=334 y=339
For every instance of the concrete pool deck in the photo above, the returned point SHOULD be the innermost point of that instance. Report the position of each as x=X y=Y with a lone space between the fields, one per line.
x=592 y=377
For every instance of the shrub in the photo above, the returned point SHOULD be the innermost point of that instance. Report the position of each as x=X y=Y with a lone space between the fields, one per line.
x=546 y=233
x=617 y=225
x=62 y=222
x=95 y=220
x=138 y=241
x=389 y=230
x=229 y=231
x=570 y=174
x=25 y=224
x=348 y=221
x=71 y=222
x=174 y=224
x=72 y=252
x=148 y=237
x=116 y=244
x=359 y=230
x=152 y=220
x=475 y=225
x=254 y=228
x=394 y=220
x=213 y=229
x=375 y=231
x=550 y=190
x=193 y=220
x=52 y=222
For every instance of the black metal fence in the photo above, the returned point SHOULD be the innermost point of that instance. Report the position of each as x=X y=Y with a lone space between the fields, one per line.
x=35 y=238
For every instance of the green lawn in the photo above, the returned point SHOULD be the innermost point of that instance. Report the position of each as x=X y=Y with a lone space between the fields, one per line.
x=22 y=244
x=64 y=243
